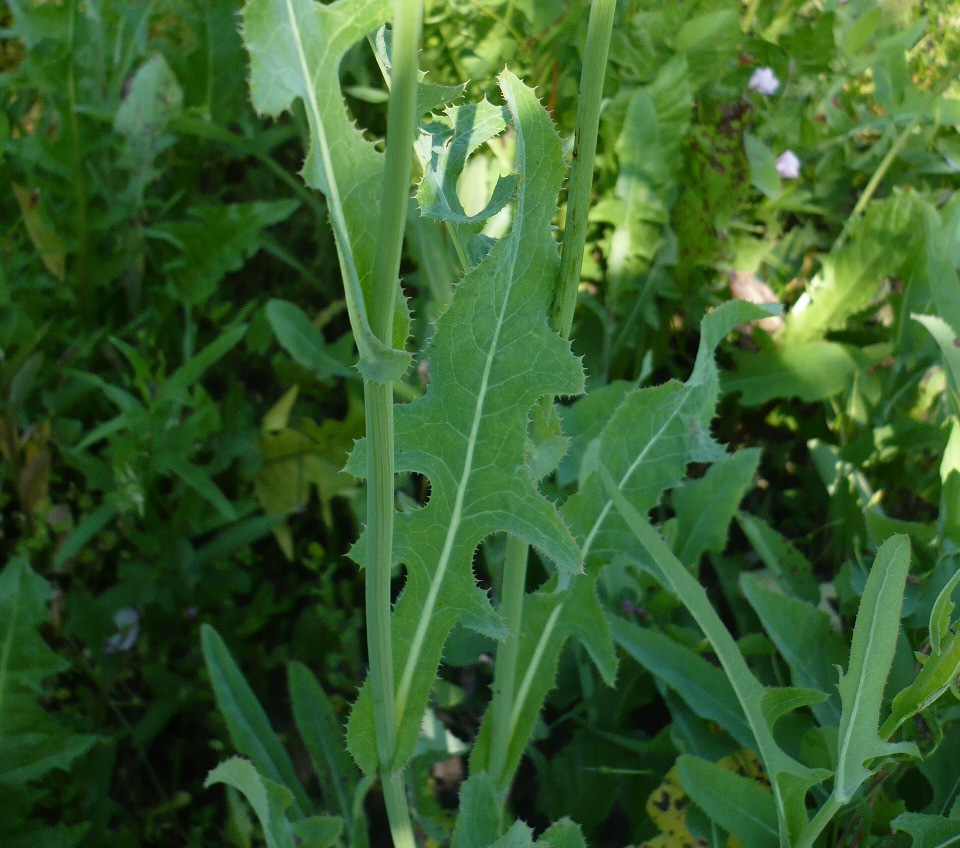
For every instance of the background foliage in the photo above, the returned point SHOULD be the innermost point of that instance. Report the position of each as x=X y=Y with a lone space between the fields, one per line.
x=177 y=401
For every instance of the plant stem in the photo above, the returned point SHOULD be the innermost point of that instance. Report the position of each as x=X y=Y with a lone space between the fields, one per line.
x=870 y=189
x=516 y=555
x=595 y=55
x=79 y=178
x=512 y=589
x=819 y=821
x=401 y=124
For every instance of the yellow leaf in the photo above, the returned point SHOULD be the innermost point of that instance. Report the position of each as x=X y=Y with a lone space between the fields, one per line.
x=45 y=238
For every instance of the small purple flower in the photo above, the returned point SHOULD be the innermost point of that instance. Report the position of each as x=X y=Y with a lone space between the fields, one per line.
x=764 y=81
x=127 y=621
x=788 y=165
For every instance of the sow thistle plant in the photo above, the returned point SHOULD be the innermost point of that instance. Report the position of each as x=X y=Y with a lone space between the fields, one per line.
x=485 y=433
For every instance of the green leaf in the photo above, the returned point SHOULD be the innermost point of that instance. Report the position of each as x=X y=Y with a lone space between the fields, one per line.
x=198 y=480
x=217 y=240
x=444 y=145
x=704 y=687
x=562 y=834
x=301 y=339
x=183 y=379
x=549 y=618
x=850 y=277
x=324 y=739
x=929 y=831
x=248 y=725
x=649 y=153
x=736 y=803
x=649 y=441
x=318 y=832
x=478 y=820
x=153 y=100
x=705 y=507
x=790 y=779
x=763 y=166
x=871 y=655
x=296 y=47
x=939 y=673
x=32 y=742
x=792 y=568
x=269 y=800
x=491 y=359
x=429 y=96
x=805 y=639
x=949 y=342
x=84 y=532
x=940 y=669
x=942 y=613
x=811 y=371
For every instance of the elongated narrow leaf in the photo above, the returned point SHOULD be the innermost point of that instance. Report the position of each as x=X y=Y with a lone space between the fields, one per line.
x=269 y=800
x=549 y=619
x=736 y=803
x=949 y=343
x=871 y=655
x=703 y=686
x=790 y=779
x=295 y=51
x=651 y=438
x=301 y=339
x=805 y=639
x=249 y=727
x=324 y=739
x=492 y=357
x=793 y=569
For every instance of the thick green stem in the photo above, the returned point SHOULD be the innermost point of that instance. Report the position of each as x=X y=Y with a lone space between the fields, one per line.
x=401 y=125
x=599 y=29
x=507 y=699
x=505 y=672
x=821 y=819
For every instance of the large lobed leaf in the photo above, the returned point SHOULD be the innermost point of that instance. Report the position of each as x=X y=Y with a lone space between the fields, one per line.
x=549 y=618
x=31 y=741
x=648 y=442
x=295 y=49
x=492 y=358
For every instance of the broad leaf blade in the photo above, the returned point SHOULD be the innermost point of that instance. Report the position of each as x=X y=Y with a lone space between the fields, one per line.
x=651 y=438
x=929 y=831
x=705 y=507
x=549 y=619
x=492 y=358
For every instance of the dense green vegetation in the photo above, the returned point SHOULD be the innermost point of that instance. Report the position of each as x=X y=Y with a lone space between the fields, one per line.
x=179 y=397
